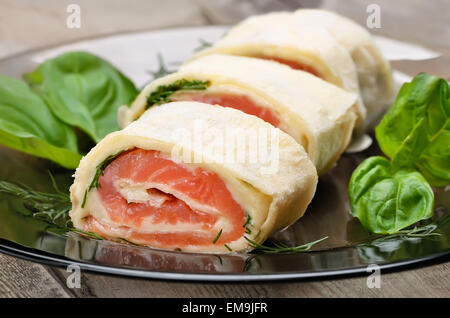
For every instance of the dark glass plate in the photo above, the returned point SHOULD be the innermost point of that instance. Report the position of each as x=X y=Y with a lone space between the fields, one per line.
x=348 y=250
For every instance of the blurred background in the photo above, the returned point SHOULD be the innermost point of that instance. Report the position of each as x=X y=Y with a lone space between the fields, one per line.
x=27 y=24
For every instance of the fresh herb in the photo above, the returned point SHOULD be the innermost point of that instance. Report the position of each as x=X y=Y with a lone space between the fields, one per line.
x=388 y=196
x=419 y=231
x=73 y=90
x=83 y=91
x=217 y=237
x=163 y=92
x=99 y=170
x=386 y=200
x=227 y=247
x=85 y=233
x=162 y=70
x=281 y=248
x=203 y=45
x=415 y=133
x=425 y=231
x=52 y=208
x=248 y=220
x=128 y=242
x=29 y=126
x=84 y=198
x=247 y=224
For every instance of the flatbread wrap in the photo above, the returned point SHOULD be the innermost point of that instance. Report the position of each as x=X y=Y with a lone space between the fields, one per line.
x=167 y=181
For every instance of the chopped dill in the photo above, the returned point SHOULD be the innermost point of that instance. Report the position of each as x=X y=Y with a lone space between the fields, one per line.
x=217 y=237
x=247 y=224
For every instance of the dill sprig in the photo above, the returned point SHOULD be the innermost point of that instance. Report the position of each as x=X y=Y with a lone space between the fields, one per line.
x=415 y=232
x=85 y=233
x=281 y=248
x=248 y=224
x=163 y=92
x=217 y=237
x=162 y=70
x=128 y=242
x=426 y=231
x=203 y=45
x=52 y=208
x=419 y=231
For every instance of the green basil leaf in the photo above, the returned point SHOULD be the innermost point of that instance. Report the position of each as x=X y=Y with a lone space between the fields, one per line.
x=387 y=200
x=83 y=90
x=27 y=125
x=415 y=133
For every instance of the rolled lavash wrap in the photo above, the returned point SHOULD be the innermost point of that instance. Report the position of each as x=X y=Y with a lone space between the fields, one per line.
x=151 y=190
x=318 y=115
x=275 y=36
x=324 y=43
x=375 y=79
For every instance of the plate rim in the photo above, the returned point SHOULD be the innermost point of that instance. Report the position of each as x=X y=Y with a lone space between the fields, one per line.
x=34 y=255
x=172 y=28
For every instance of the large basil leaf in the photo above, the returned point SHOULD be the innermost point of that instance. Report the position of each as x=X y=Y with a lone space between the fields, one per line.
x=416 y=130
x=83 y=90
x=27 y=125
x=386 y=200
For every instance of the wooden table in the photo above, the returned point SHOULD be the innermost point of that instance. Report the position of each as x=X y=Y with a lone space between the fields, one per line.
x=26 y=24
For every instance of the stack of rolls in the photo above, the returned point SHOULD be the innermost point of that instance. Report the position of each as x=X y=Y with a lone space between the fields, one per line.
x=322 y=43
x=187 y=171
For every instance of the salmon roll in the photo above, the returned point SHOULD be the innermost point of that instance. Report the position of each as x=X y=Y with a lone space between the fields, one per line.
x=323 y=43
x=374 y=71
x=318 y=115
x=277 y=37
x=193 y=177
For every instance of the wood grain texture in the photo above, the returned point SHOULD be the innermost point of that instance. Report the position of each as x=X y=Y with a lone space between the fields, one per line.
x=19 y=278
x=432 y=281
x=26 y=24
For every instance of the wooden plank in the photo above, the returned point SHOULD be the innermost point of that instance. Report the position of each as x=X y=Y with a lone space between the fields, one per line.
x=433 y=281
x=19 y=278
